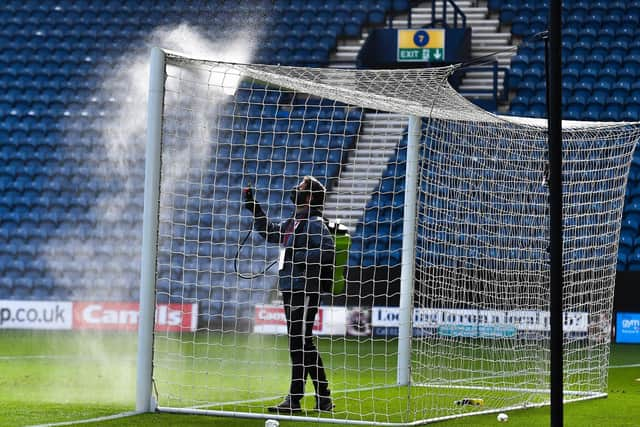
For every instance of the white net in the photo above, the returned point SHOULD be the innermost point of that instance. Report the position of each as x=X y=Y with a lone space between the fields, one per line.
x=480 y=321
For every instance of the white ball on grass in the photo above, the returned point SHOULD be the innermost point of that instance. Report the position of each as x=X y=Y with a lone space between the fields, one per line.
x=502 y=417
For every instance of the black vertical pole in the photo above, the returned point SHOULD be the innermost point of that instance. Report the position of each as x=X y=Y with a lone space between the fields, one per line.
x=554 y=102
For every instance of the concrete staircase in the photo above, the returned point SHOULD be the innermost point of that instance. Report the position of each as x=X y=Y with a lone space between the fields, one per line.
x=486 y=39
x=379 y=137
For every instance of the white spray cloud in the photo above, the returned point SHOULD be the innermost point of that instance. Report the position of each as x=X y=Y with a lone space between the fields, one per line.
x=122 y=145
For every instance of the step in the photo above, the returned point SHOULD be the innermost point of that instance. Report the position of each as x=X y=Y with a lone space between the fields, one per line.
x=476 y=95
x=355 y=48
x=346 y=54
x=482 y=80
x=386 y=116
x=379 y=140
x=483 y=90
x=346 y=65
x=482 y=74
x=356 y=175
x=350 y=198
x=418 y=21
x=381 y=131
x=425 y=12
x=351 y=42
x=348 y=210
x=375 y=142
x=477 y=87
x=374 y=148
x=348 y=218
x=488 y=23
x=394 y=128
x=377 y=156
x=385 y=123
x=353 y=185
x=502 y=37
x=369 y=167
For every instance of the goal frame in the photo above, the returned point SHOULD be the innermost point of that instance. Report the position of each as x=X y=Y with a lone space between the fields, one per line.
x=145 y=400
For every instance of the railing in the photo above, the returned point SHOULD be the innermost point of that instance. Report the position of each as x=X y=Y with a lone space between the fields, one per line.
x=457 y=12
x=498 y=93
x=442 y=21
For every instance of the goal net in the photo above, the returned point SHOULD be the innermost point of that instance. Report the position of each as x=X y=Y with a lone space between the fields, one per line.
x=440 y=307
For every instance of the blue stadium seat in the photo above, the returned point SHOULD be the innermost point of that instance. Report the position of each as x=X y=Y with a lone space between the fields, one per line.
x=621 y=89
x=633 y=207
x=607 y=32
x=631 y=223
x=43 y=288
x=581 y=48
x=22 y=288
x=377 y=15
x=588 y=34
x=583 y=88
x=633 y=261
x=611 y=113
x=590 y=74
x=600 y=93
x=628 y=74
x=520 y=23
x=574 y=20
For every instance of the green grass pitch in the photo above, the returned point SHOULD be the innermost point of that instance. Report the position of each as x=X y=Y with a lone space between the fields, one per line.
x=53 y=377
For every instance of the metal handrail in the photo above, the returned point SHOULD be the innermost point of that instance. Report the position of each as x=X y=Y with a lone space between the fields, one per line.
x=498 y=95
x=443 y=20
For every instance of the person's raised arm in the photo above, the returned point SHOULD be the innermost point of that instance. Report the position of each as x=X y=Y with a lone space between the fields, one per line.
x=269 y=231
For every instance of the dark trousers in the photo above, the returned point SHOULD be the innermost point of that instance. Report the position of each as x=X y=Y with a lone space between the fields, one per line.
x=300 y=309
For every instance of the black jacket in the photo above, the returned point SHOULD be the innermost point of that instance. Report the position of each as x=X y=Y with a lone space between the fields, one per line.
x=310 y=251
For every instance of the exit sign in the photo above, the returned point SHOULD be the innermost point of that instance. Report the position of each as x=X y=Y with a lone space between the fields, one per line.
x=423 y=45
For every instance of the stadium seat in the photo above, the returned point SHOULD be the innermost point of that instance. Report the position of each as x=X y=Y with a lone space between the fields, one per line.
x=377 y=15
x=600 y=96
x=607 y=33
x=581 y=48
x=43 y=288
x=611 y=114
x=590 y=74
x=583 y=89
x=588 y=34
x=621 y=89
x=633 y=261
x=22 y=288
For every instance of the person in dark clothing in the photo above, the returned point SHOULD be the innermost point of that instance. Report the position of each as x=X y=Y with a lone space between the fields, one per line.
x=306 y=260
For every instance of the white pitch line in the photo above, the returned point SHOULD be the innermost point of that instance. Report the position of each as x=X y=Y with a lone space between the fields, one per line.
x=633 y=365
x=88 y=420
x=59 y=357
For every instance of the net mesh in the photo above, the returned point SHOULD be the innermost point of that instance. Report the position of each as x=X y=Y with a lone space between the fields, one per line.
x=480 y=321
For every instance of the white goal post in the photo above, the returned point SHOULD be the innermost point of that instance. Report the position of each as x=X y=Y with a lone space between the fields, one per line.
x=445 y=307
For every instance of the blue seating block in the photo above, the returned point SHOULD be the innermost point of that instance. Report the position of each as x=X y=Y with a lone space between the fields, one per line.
x=633 y=261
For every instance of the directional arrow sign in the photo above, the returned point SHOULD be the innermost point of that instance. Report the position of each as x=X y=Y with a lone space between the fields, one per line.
x=423 y=45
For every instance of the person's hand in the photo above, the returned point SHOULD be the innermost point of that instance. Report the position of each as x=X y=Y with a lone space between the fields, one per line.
x=249 y=200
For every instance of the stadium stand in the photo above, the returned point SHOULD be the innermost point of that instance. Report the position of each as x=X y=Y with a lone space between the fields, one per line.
x=599 y=83
x=52 y=176
x=52 y=58
x=600 y=77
